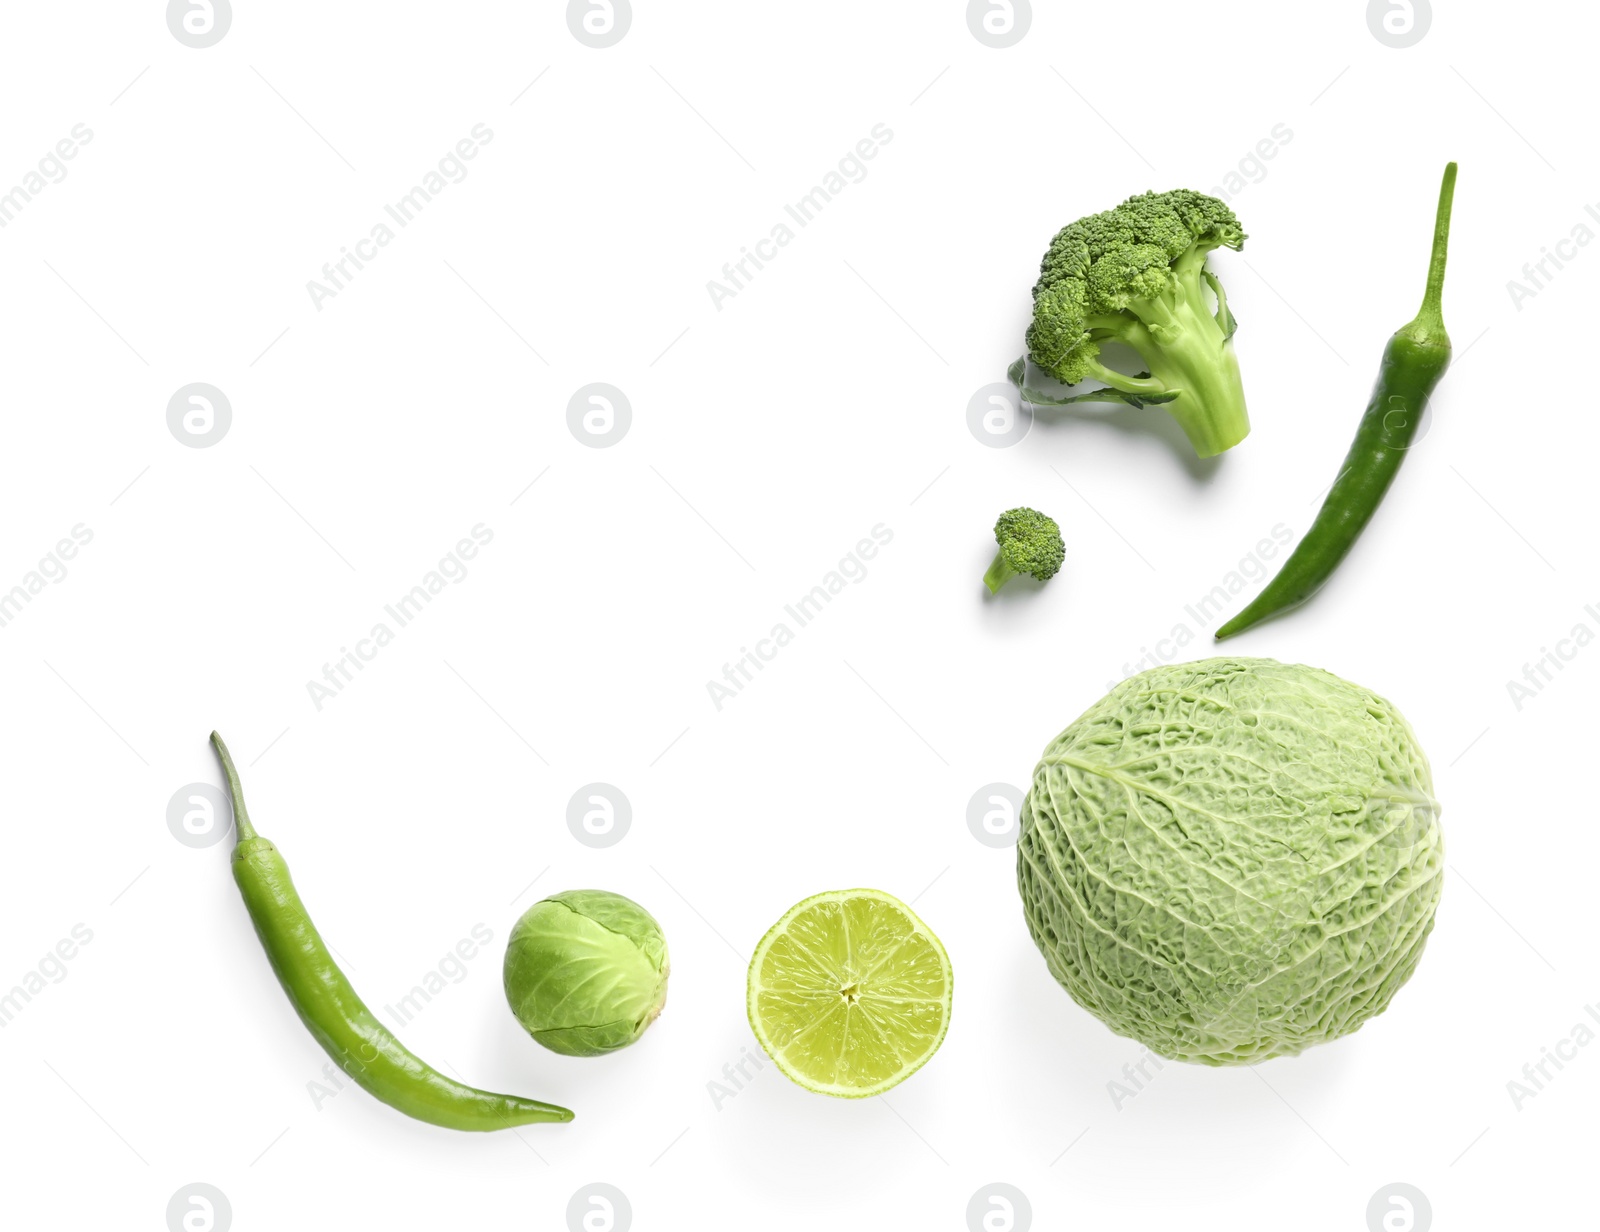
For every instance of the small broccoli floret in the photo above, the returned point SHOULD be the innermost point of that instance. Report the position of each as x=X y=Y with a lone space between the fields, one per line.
x=1030 y=543
x=1137 y=275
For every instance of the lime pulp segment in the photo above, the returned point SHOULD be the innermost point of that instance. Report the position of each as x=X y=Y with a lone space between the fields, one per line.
x=849 y=993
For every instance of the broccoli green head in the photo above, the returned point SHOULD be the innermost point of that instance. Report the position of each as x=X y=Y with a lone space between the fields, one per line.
x=1030 y=542
x=1137 y=275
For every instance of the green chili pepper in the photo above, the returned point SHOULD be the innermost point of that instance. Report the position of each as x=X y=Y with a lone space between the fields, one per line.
x=1413 y=363
x=363 y=1047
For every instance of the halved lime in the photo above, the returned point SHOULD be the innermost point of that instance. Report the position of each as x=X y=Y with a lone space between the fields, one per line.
x=850 y=993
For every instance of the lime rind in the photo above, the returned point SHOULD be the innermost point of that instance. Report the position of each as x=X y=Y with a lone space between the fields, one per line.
x=904 y=1012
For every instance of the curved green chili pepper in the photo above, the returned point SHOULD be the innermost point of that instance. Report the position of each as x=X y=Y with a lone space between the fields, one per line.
x=1413 y=363
x=330 y=1008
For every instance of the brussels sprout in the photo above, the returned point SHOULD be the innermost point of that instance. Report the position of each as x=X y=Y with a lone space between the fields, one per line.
x=586 y=972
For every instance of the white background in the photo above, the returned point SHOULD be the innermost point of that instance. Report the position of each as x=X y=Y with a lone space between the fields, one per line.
x=767 y=439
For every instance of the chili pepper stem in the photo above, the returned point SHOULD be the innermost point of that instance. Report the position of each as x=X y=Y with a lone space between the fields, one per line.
x=1428 y=326
x=243 y=830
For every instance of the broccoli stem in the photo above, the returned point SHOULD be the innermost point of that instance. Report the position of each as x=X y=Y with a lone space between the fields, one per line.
x=1195 y=359
x=1124 y=382
x=1210 y=406
x=1193 y=262
x=1221 y=313
x=999 y=573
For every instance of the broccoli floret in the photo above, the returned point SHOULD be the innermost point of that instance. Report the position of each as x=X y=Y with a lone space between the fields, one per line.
x=1030 y=542
x=1137 y=275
